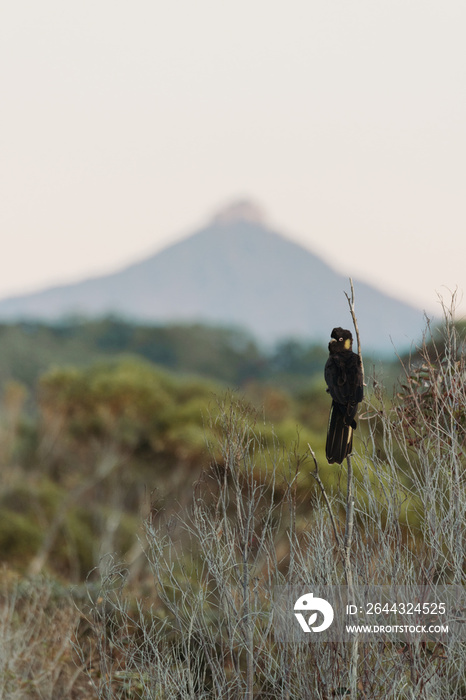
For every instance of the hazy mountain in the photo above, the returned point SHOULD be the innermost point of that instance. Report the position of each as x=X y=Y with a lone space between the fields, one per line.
x=235 y=271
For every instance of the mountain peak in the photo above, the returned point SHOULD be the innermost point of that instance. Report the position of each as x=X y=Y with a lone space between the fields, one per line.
x=240 y=210
x=234 y=271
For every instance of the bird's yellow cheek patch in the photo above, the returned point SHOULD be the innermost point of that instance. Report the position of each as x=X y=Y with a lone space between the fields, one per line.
x=347 y=344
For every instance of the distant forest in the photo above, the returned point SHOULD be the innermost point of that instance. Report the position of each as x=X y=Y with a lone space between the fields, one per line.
x=228 y=355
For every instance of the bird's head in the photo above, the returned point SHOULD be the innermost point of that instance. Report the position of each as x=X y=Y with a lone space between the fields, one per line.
x=340 y=339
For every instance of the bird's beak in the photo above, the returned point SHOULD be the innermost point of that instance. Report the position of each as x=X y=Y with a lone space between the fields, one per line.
x=333 y=340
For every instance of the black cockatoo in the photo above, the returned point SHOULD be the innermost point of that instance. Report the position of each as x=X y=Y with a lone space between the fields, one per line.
x=344 y=377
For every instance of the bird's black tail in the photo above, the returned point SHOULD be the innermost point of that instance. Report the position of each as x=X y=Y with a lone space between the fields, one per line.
x=339 y=437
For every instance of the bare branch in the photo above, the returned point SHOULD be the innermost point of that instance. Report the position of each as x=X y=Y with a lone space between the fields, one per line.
x=355 y=322
x=316 y=476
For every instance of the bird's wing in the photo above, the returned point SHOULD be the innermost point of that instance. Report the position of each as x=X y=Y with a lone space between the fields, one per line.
x=337 y=383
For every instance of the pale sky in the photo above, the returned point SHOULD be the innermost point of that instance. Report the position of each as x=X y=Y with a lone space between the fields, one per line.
x=125 y=125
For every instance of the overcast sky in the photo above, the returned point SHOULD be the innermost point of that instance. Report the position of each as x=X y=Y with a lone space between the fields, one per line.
x=125 y=125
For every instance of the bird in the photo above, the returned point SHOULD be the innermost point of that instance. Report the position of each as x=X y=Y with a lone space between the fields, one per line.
x=345 y=384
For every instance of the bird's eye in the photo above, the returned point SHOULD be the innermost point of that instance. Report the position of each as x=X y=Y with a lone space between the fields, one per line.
x=340 y=339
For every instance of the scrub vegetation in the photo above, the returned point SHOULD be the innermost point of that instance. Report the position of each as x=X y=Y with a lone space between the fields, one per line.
x=149 y=512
